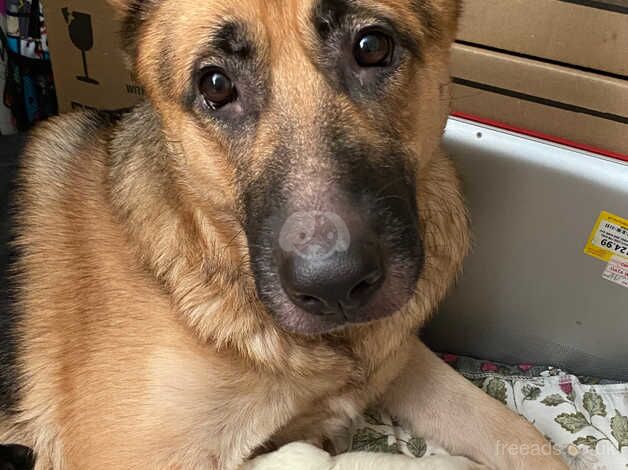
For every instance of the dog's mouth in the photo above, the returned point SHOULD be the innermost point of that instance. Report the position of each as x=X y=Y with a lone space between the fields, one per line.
x=342 y=263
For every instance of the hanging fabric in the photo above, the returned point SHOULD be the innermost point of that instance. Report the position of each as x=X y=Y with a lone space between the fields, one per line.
x=29 y=90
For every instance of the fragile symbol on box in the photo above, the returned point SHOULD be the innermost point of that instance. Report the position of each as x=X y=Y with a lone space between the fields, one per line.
x=617 y=271
x=82 y=36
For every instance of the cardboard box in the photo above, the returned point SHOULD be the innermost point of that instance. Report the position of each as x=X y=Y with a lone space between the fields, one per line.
x=88 y=65
x=592 y=34
x=574 y=105
x=552 y=68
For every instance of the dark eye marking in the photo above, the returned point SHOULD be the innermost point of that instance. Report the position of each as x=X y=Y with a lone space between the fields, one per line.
x=329 y=15
x=228 y=85
x=232 y=39
x=333 y=17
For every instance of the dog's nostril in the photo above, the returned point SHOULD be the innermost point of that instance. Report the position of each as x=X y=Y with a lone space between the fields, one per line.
x=309 y=300
x=361 y=289
x=365 y=287
x=315 y=304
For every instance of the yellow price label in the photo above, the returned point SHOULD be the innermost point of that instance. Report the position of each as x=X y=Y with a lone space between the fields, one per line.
x=609 y=237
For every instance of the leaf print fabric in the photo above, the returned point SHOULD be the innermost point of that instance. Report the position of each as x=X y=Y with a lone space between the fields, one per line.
x=619 y=426
x=585 y=418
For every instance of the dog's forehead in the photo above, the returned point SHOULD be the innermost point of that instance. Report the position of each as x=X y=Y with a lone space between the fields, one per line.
x=290 y=10
x=288 y=20
x=180 y=31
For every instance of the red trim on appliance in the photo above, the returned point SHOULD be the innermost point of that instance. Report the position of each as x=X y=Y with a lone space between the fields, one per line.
x=539 y=135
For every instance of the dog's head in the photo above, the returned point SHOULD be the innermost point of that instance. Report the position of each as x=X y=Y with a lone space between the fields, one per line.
x=311 y=120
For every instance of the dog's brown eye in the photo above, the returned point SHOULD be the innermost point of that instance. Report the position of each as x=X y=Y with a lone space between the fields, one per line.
x=373 y=49
x=217 y=88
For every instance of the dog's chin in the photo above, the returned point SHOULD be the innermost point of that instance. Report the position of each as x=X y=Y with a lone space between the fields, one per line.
x=386 y=302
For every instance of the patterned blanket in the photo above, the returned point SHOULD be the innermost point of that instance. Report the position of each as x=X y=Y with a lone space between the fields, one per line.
x=585 y=418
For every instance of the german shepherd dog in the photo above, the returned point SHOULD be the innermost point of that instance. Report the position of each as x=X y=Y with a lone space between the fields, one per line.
x=229 y=273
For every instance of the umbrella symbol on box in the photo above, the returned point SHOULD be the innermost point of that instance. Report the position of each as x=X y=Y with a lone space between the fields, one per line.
x=82 y=36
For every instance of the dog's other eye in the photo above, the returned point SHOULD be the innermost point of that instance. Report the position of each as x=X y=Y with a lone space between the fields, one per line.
x=217 y=88
x=373 y=49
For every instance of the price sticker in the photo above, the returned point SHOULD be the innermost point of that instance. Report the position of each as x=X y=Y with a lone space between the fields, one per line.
x=609 y=238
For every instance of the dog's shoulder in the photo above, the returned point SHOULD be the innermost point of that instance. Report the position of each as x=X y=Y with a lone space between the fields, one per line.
x=60 y=143
x=35 y=193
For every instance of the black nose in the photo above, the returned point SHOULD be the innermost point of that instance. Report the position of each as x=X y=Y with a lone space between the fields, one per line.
x=339 y=283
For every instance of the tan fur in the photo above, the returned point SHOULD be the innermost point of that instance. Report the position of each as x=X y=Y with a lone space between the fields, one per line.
x=143 y=344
